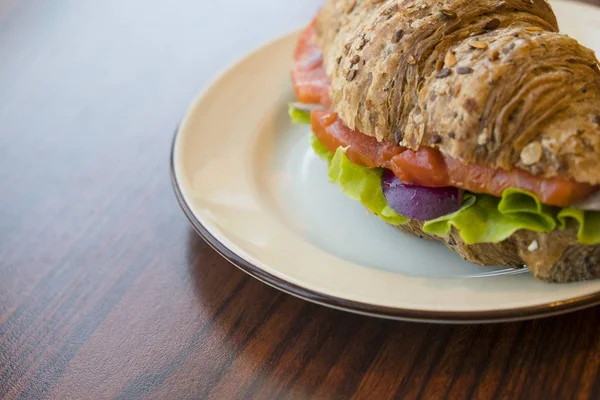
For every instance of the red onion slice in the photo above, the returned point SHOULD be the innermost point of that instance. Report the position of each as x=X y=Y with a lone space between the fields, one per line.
x=418 y=202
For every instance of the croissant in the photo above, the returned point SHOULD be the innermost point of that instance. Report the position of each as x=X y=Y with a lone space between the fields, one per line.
x=484 y=86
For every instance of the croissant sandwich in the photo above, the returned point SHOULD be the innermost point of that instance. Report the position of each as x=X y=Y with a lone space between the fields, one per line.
x=474 y=123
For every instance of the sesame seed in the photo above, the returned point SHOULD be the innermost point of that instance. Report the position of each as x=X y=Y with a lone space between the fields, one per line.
x=464 y=70
x=479 y=45
x=492 y=24
x=444 y=73
x=534 y=29
x=355 y=59
x=351 y=75
x=532 y=153
x=347 y=47
x=439 y=65
x=450 y=60
x=449 y=14
x=361 y=43
x=398 y=36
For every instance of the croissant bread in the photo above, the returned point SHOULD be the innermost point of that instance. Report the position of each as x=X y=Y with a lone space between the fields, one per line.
x=488 y=83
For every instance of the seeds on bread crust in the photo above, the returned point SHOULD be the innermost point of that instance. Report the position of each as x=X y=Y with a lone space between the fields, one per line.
x=492 y=24
x=450 y=60
x=449 y=14
x=351 y=75
x=534 y=29
x=532 y=153
x=444 y=73
x=439 y=65
x=398 y=36
x=361 y=43
x=464 y=70
x=479 y=45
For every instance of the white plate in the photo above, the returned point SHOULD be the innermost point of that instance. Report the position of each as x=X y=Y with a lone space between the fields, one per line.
x=252 y=187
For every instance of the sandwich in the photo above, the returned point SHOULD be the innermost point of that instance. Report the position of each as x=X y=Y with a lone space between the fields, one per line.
x=473 y=123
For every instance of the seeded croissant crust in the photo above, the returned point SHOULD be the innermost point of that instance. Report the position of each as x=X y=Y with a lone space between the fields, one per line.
x=486 y=82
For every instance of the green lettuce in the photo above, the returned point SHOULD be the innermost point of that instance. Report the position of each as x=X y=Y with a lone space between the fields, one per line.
x=320 y=149
x=358 y=183
x=589 y=224
x=481 y=219
x=489 y=219
x=298 y=116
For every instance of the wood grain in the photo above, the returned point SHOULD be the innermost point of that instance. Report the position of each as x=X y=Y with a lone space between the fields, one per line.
x=107 y=293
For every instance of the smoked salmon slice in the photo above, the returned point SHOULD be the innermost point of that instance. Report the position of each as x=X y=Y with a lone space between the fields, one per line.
x=430 y=168
x=310 y=80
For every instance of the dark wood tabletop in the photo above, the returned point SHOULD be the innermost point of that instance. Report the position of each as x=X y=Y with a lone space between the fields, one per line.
x=106 y=292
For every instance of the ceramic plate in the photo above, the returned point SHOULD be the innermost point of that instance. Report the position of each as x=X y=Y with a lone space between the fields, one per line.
x=252 y=187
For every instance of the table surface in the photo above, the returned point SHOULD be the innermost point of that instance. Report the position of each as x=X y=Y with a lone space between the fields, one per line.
x=106 y=291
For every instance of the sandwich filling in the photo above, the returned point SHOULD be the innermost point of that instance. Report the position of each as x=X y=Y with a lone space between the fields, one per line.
x=495 y=203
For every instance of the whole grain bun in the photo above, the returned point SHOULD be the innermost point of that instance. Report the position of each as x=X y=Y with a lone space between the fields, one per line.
x=556 y=257
x=487 y=82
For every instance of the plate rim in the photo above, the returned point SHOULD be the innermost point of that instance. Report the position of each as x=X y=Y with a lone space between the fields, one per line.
x=313 y=296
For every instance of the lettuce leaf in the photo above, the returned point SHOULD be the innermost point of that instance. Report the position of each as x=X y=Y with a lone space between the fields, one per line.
x=298 y=116
x=489 y=219
x=358 y=183
x=589 y=224
x=320 y=150
x=481 y=219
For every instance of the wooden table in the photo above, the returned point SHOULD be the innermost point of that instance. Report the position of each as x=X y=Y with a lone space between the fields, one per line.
x=105 y=290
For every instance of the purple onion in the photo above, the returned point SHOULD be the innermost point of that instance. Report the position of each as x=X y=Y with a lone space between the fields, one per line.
x=418 y=202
